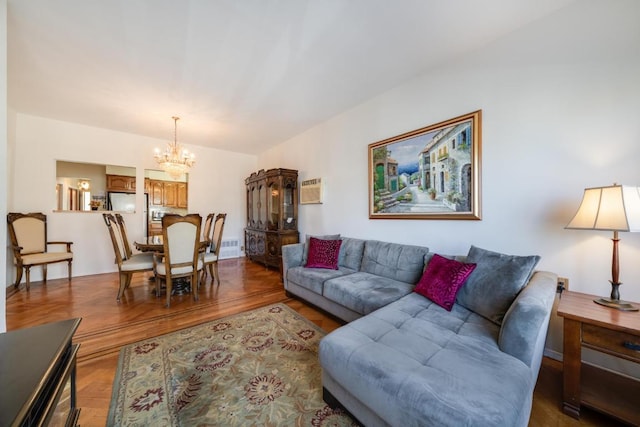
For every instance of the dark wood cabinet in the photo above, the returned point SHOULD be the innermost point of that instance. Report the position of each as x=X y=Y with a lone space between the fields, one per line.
x=272 y=214
x=37 y=375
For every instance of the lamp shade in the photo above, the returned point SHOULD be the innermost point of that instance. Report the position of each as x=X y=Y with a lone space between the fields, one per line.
x=614 y=208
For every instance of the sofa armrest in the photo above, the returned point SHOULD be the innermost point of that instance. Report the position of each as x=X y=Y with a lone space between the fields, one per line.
x=524 y=328
x=291 y=257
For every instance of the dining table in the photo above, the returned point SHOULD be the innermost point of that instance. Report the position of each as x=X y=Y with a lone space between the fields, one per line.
x=156 y=244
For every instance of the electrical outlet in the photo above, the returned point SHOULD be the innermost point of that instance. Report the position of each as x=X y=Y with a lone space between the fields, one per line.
x=242 y=248
x=563 y=284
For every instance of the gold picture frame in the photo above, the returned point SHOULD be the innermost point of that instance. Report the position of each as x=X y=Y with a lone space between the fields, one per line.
x=429 y=173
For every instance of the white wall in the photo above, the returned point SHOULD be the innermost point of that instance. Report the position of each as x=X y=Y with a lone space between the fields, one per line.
x=4 y=136
x=560 y=103
x=216 y=184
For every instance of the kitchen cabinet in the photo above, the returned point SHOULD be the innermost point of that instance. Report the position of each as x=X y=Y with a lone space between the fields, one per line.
x=183 y=195
x=155 y=228
x=156 y=193
x=120 y=183
x=168 y=194
x=272 y=215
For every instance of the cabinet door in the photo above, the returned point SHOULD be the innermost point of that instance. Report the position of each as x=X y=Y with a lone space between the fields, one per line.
x=121 y=183
x=258 y=206
x=170 y=194
x=289 y=207
x=182 y=195
x=273 y=205
x=156 y=193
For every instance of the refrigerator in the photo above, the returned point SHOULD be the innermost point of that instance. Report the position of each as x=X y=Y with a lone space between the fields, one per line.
x=122 y=202
x=126 y=202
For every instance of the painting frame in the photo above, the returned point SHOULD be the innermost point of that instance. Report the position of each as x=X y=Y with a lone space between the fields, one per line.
x=442 y=183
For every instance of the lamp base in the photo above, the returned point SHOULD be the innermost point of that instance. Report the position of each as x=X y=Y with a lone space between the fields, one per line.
x=616 y=303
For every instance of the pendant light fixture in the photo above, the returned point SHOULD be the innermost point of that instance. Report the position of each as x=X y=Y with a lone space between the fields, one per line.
x=175 y=160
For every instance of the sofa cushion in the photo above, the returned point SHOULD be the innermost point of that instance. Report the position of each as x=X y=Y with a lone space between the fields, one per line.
x=495 y=283
x=394 y=261
x=418 y=365
x=308 y=237
x=323 y=253
x=351 y=252
x=442 y=279
x=314 y=278
x=364 y=292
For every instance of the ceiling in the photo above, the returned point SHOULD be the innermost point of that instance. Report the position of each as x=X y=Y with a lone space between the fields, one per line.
x=243 y=75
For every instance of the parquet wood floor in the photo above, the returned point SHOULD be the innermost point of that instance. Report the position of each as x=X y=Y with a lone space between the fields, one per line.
x=107 y=325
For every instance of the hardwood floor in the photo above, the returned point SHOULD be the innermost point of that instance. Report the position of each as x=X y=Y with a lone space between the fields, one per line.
x=107 y=325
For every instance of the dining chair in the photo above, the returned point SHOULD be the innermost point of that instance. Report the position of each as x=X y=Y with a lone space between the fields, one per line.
x=28 y=234
x=206 y=238
x=180 y=257
x=206 y=233
x=128 y=263
x=210 y=257
x=123 y=233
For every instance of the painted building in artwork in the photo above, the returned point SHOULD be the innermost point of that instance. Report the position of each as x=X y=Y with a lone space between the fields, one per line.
x=387 y=174
x=445 y=165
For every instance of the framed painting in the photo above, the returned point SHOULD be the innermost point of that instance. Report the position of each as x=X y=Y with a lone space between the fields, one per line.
x=429 y=173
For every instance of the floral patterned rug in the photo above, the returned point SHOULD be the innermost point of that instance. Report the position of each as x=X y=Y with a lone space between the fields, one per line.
x=255 y=368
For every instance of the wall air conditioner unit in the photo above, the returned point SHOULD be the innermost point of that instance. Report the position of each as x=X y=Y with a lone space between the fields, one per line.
x=311 y=191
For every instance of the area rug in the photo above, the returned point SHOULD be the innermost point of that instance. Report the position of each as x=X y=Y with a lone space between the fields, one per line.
x=255 y=368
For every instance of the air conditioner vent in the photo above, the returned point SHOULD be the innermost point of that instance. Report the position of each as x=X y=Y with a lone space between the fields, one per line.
x=311 y=191
x=229 y=248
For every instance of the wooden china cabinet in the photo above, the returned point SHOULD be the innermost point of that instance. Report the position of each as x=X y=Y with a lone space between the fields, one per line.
x=272 y=215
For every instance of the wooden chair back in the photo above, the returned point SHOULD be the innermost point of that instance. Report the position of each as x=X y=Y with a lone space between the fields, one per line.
x=116 y=239
x=218 y=228
x=206 y=233
x=123 y=235
x=181 y=243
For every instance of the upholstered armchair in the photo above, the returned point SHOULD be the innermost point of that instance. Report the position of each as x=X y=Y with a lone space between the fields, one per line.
x=28 y=234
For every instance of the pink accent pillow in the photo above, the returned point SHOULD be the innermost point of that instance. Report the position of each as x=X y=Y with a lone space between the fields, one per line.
x=323 y=253
x=442 y=279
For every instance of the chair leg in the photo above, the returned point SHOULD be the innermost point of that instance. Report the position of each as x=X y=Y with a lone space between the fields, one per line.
x=18 y=276
x=129 y=276
x=158 y=286
x=195 y=285
x=213 y=276
x=44 y=273
x=169 y=285
x=27 y=271
x=69 y=271
x=123 y=284
x=215 y=266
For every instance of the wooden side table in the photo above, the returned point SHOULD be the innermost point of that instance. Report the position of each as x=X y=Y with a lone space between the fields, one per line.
x=607 y=330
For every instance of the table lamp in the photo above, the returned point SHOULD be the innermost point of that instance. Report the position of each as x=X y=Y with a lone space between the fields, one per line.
x=614 y=208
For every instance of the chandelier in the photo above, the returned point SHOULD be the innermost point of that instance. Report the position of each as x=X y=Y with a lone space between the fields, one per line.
x=175 y=160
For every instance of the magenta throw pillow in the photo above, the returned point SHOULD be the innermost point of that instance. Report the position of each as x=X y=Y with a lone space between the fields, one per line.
x=442 y=279
x=323 y=253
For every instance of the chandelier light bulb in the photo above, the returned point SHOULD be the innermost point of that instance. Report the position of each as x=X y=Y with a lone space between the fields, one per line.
x=175 y=160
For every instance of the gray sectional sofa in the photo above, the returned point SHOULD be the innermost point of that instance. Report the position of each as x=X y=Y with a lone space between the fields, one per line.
x=402 y=360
